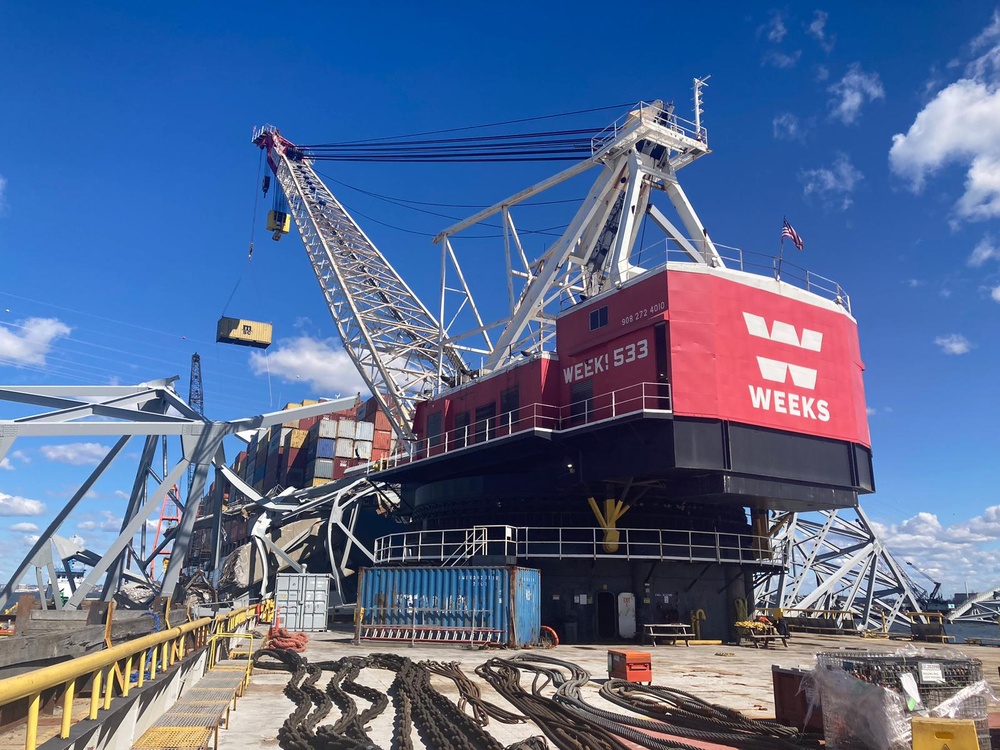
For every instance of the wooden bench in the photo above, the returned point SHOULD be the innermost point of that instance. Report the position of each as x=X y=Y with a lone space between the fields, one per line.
x=669 y=631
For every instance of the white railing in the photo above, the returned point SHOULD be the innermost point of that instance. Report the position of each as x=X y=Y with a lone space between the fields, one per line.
x=634 y=399
x=526 y=542
x=737 y=259
x=653 y=115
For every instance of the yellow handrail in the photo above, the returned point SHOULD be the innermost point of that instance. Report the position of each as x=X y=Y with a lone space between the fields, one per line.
x=163 y=649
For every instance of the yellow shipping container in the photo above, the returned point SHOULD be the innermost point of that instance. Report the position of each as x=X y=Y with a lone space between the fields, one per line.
x=318 y=481
x=298 y=438
x=244 y=332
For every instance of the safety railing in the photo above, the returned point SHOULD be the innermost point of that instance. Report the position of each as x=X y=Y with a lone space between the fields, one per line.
x=117 y=670
x=650 y=114
x=525 y=542
x=633 y=399
x=737 y=259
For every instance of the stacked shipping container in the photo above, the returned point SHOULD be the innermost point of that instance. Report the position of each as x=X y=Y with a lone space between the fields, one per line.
x=314 y=451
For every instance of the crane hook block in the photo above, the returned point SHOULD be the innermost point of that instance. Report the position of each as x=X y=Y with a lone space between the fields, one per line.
x=278 y=222
x=265 y=186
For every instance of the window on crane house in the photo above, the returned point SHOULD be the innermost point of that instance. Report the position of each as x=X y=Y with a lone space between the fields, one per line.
x=434 y=429
x=598 y=318
x=510 y=401
x=581 y=401
x=486 y=423
x=461 y=433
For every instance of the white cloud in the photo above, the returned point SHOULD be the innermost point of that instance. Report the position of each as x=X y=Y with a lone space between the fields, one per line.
x=108 y=522
x=775 y=28
x=817 y=29
x=12 y=505
x=834 y=184
x=871 y=411
x=323 y=364
x=955 y=554
x=987 y=45
x=787 y=127
x=5 y=464
x=954 y=343
x=914 y=283
x=24 y=527
x=851 y=93
x=822 y=73
x=995 y=294
x=960 y=125
x=983 y=252
x=77 y=454
x=21 y=456
x=781 y=60
x=27 y=342
x=122 y=494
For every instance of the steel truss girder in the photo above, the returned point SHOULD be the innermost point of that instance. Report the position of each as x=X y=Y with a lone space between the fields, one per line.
x=835 y=561
x=394 y=341
x=584 y=261
x=339 y=503
x=129 y=411
x=982 y=608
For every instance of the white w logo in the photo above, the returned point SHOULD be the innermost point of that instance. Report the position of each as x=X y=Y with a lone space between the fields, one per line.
x=783 y=333
x=772 y=369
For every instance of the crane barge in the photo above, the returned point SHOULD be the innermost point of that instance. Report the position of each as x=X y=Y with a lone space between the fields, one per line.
x=634 y=416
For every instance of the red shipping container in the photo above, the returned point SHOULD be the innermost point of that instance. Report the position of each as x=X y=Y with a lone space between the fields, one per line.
x=381 y=421
x=382 y=441
x=306 y=424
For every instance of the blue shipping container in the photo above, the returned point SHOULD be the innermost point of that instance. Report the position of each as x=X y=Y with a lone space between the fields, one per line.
x=325 y=447
x=462 y=605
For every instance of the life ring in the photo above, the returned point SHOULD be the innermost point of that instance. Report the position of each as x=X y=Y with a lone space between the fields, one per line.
x=548 y=637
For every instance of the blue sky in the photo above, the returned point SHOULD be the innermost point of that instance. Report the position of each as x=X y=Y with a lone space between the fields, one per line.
x=127 y=187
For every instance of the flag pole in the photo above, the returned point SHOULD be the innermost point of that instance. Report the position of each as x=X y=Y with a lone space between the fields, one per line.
x=781 y=255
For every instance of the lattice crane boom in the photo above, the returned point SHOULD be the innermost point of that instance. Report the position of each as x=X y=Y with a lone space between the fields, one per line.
x=394 y=341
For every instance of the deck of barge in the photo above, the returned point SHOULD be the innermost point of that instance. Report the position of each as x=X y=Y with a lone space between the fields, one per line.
x=733 y=676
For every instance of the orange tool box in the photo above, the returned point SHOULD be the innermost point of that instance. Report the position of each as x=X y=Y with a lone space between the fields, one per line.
x=634 y=666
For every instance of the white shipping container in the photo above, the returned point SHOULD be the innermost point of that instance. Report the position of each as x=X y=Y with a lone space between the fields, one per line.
x=323 y=468
x=286 y=436
x=364 y=431
x=346 y=428
x=364 y=449
x=302 y=601
x=327 y=428
x=345 y=448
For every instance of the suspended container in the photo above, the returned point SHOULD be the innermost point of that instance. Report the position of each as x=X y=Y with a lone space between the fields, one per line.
x=243 y=332
x=497 y=605
x=279 y=223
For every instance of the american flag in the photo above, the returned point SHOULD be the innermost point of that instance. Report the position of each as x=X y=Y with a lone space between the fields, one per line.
x=788 y=231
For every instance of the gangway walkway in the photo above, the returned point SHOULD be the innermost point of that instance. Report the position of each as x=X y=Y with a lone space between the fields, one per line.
x=194 y=720
x=116 y=699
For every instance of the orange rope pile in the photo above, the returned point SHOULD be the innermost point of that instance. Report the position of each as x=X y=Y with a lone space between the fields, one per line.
x=282 y=638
